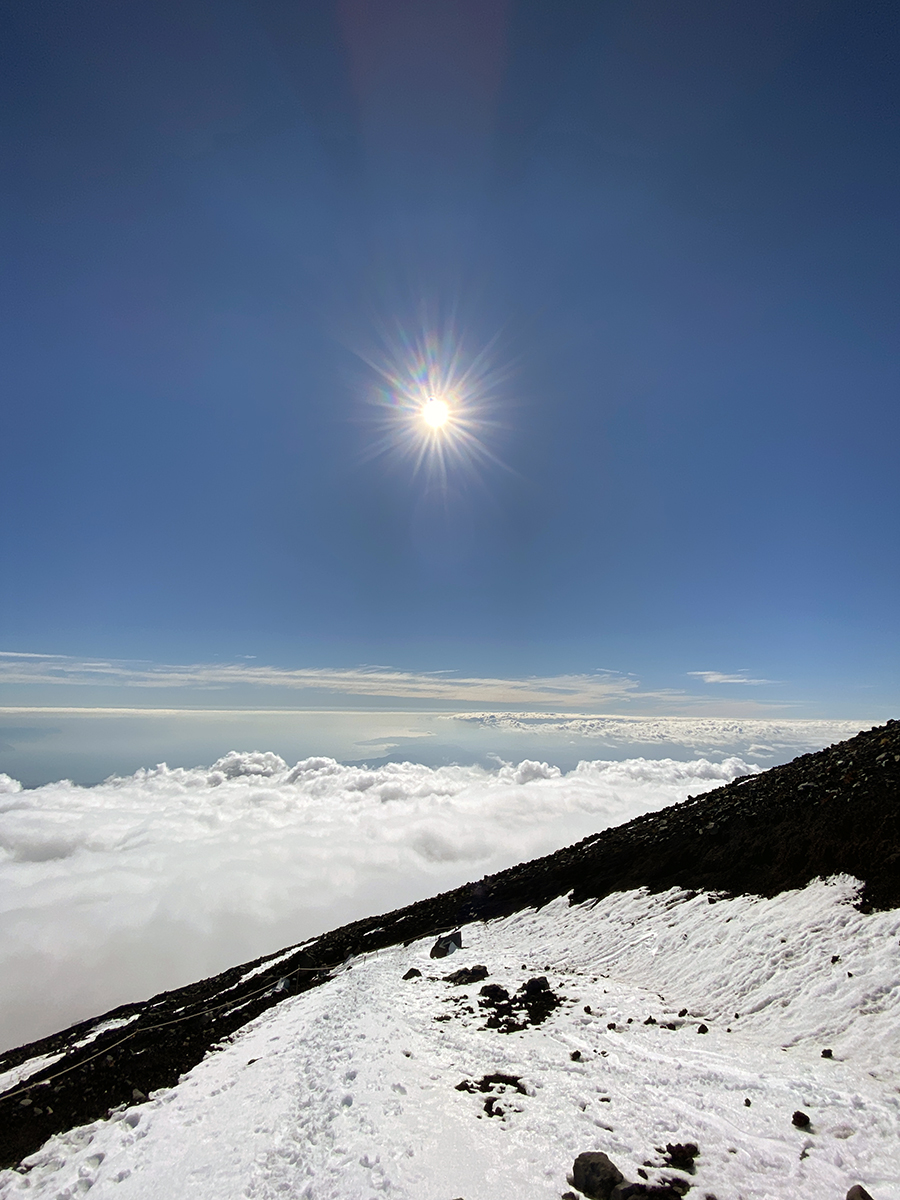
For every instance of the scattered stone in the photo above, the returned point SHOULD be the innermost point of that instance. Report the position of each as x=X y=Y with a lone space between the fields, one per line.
x=495 y=1085
x=681 y=1156
x=413 y=973
x=575 y=1056
x=835 y=958
x=747 y=1101
x=672 y=1190
x=587 y=1008
x=491 y=1081
x=467 y=975
x=531 y=1005
x=800 y=1119
x=611 y=1025
x=596 y=1175
x=858 y=1192
x=683 y=1013
x=650 y=1021
x=703 y=1029
x=827 y=1054
x=494 y=992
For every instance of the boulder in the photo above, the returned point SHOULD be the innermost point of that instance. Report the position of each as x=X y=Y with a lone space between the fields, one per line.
x=413 y=973
x=447 y=943
x=858 y=1192
x=467 y=975
x=595 y=1175
x=534 y=987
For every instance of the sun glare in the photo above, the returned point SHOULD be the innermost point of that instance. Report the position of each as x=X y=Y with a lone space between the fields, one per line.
x=436 y=400
x=435 y=412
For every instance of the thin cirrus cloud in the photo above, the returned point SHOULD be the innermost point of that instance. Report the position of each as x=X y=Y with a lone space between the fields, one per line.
x=363 y=681
x=721 y=677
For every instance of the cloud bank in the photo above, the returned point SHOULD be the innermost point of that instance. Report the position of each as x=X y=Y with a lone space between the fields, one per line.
x=756 y=737
x=145 y=882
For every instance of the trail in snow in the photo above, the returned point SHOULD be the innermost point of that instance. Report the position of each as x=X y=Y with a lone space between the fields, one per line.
x=349 y=1092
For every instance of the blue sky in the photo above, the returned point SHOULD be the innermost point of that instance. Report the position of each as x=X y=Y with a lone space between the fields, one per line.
x=670 y=232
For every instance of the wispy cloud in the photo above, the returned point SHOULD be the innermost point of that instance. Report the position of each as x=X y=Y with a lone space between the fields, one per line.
x=720 y=677
x=602 y=687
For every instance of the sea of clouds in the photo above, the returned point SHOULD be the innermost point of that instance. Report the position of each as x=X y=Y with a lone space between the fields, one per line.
x=111 y=893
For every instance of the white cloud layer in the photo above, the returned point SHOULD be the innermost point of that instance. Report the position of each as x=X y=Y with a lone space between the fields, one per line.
x=766 y=738
x=113 y=892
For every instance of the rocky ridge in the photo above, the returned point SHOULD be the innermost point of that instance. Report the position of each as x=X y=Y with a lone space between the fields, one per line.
x=832 y=812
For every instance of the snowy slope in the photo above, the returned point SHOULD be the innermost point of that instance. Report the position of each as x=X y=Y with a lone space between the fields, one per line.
x=350 y=1090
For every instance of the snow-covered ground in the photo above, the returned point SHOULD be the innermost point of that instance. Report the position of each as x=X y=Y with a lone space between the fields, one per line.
x=350 y=1090
x=112 y=893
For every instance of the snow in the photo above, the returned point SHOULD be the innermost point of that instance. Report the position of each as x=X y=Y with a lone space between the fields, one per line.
x=16 y=1075
x=112 y=893
x=105 y=1027
x=349 y=1091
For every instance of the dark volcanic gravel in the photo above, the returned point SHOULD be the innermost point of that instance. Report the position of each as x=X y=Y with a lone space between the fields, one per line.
x=822 y=814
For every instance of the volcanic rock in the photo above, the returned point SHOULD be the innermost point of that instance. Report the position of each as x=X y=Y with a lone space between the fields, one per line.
x=595 y=1174
x=467 y=975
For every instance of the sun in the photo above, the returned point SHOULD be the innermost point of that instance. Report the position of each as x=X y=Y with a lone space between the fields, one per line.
x=435 y=412
x=437 y=399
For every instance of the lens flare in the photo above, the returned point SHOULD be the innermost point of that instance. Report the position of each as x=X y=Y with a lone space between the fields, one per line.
x=436 y=401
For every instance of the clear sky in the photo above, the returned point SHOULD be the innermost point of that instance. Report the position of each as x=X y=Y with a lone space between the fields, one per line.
x=646 y=252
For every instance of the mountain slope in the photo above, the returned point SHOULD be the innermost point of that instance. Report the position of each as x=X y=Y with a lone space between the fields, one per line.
x=835 y=812
x=661 y=1017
